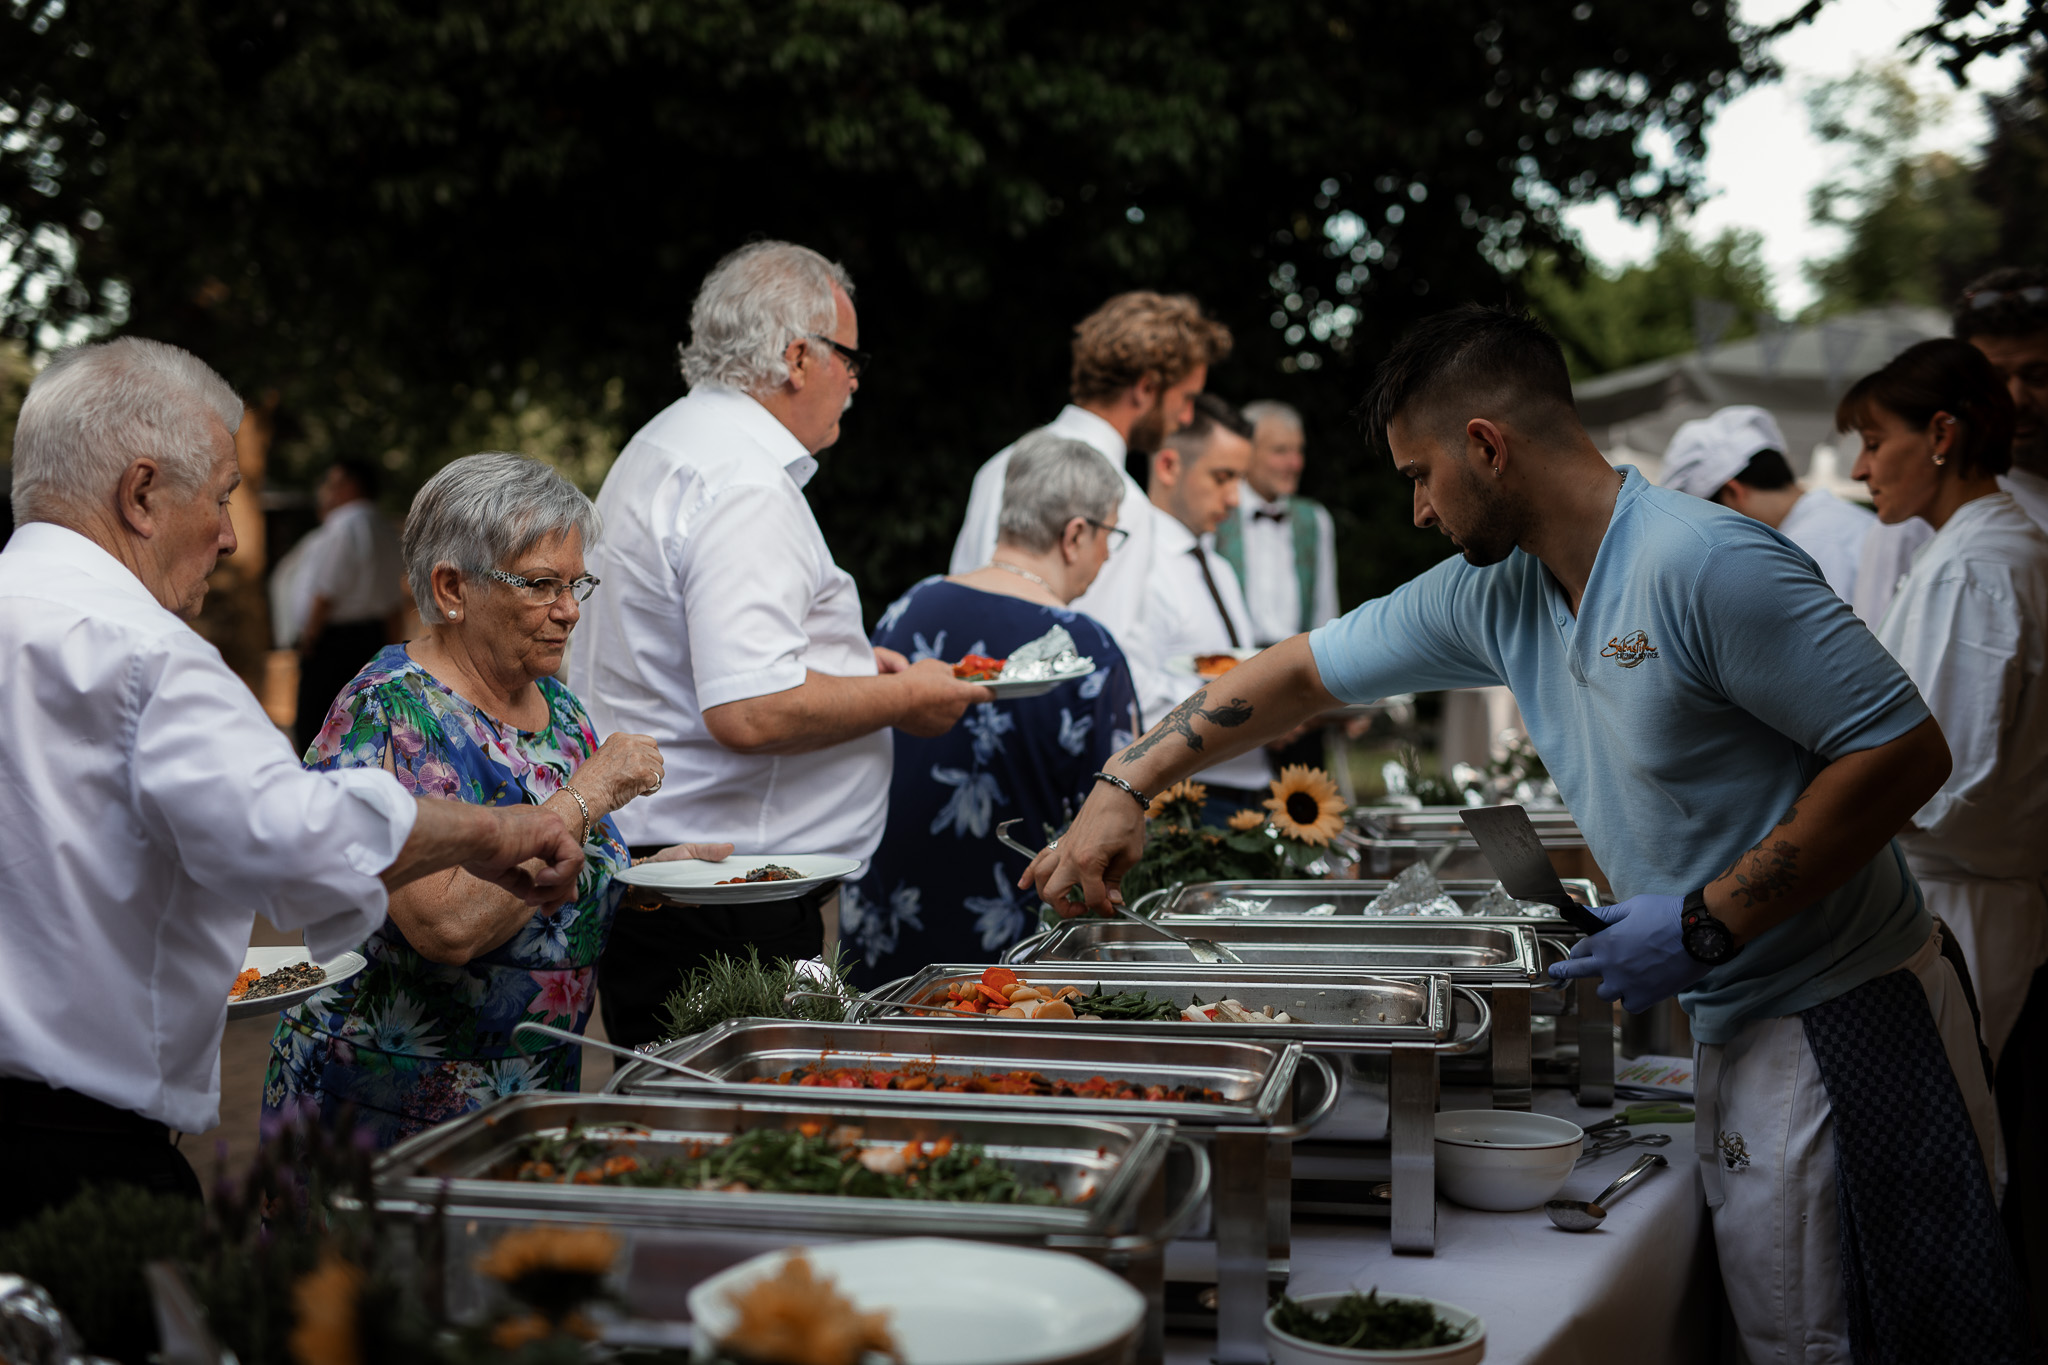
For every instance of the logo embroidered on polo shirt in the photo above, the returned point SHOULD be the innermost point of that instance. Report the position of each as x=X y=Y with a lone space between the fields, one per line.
x=1629 y=651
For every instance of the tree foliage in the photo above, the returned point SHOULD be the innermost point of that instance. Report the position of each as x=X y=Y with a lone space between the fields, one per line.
x=423 y=229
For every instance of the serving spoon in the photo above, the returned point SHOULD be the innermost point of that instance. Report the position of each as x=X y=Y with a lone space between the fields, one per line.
x=1208 y=952
x=1583 y=1215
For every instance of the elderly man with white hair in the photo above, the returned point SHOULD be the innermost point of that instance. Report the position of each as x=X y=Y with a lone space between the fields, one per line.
x=148 y=807
x=727 y=633
x=1736 y=457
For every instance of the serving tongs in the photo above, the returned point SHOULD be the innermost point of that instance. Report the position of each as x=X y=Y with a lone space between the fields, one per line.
x=1208 y=952
x=625 y=1053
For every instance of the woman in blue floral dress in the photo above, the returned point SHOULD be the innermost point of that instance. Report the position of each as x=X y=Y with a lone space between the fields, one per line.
x=940 y=888
x=471 y=712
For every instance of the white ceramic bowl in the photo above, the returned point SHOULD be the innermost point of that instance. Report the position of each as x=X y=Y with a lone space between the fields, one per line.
x=1469 y=1350
x=1503 y=1160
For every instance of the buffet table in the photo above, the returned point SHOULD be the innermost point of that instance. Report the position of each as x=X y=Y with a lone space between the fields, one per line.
x=1641 y=1286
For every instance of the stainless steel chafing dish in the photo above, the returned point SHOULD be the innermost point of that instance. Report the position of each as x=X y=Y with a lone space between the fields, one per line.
x=1109 y=1172
x=1386 y=1031
x=1589 y=1022
x=1247 y=1134
x=1392 y=839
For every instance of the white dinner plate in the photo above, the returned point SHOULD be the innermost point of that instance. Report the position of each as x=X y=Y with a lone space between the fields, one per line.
x=694 y=882
x=1037 y=687
x=268 y=960
x=954 y=1303
x=1185 y=663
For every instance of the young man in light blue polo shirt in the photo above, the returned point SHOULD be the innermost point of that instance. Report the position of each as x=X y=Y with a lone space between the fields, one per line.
x=1739 y=751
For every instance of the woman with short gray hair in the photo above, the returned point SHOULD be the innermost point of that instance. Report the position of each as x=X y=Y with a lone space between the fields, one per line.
x=939 y=889
x=471 y=711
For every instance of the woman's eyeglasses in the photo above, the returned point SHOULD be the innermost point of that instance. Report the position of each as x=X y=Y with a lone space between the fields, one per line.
x=545 y=592
x=1117 y=534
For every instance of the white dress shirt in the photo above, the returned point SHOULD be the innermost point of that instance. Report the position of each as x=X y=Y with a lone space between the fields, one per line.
x=1970 y=626
x=148 y=810
x=353 y=560
x=1887 y=553
x=717 y=587
x=1117 y=597
x=1272 y=587
x=2030 y=491
x=1832 y=531
x=1185 y=621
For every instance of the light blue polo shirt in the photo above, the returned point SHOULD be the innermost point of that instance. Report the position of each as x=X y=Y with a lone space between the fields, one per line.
x=1709 y=675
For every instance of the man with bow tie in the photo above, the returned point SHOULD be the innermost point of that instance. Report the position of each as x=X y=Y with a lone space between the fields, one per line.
x=1283 y=546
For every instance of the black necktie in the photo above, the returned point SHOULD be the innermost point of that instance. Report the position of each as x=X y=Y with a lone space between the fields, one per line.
x=1215 y=596
x=1269 y=514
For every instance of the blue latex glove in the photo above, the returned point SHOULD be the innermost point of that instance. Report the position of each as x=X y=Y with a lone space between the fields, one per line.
x=1640 y=958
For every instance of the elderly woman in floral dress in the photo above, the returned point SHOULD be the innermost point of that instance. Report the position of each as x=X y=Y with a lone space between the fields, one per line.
x=494 y=551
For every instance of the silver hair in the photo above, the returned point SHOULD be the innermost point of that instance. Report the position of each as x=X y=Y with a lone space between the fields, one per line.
x=484 y=510
x=95 y=410
x=1259 y=411
x=1050 y=481
x=751 y=306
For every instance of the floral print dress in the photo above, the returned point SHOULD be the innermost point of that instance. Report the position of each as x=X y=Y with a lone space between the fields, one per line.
x=410 y=1042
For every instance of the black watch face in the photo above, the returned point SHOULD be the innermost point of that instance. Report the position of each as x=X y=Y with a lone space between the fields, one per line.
x=1709 y=941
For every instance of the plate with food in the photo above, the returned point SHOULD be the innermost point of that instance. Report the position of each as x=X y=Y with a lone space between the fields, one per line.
x=1210 y=665
x=274 y=979
x=1031 y=670
x=738 y=881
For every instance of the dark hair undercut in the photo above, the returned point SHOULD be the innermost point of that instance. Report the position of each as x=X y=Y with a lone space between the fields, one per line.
x=1473 y=353
x=1766 y=470
x=1940 y=376
x=1210 y=412
x=2011 y=301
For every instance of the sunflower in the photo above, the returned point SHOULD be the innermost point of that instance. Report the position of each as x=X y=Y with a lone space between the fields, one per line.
x=1187 y=792
x=324 y=1302
x=1248 y=818
x=1305 y=805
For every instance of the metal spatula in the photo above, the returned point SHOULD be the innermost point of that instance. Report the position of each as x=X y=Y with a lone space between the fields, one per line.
x=1208 y=952
x=1511 y=845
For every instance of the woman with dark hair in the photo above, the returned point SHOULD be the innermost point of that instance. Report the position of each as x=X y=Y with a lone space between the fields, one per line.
x=1969 y=624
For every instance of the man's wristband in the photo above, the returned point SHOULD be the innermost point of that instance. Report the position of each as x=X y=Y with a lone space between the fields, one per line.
x=1144 y=802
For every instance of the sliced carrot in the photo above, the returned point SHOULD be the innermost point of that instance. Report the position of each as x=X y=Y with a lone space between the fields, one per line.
x=941 y=1147
x=999 y=977
x=994 y=996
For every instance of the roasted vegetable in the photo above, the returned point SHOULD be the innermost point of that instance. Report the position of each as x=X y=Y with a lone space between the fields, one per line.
x=1367 y=1322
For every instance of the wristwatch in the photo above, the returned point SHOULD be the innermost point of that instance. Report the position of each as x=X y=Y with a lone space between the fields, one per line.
x=1706 y=938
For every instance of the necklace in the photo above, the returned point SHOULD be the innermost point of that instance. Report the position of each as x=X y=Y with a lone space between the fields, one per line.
x=1021 y=573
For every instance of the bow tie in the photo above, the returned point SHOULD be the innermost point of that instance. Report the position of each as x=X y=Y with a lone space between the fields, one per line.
x=1269 y=514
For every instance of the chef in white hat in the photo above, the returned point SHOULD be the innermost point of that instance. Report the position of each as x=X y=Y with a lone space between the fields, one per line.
x=1736 y=457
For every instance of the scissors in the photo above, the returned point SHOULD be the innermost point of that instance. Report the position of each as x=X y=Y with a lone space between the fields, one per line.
x=1643 y=1113
x=1616 y=1139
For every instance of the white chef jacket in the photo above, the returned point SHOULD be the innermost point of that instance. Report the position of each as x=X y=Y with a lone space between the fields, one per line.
x=1185 y=622
x=1970 y=627
x=148 y=810
x=717 y=587
x=1887 y=553
x=1272 y=587
x=1832 y=532
x=1116 y=599
x=2030 y=491
x=353 y=560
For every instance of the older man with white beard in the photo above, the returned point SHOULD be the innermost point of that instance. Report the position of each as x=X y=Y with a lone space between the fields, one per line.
x=148 y=807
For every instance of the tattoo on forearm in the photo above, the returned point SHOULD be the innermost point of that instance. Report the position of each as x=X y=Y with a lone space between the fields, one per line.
x=1766 y=872
x=1181 y=721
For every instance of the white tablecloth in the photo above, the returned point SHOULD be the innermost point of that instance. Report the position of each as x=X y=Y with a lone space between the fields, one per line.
x=1638 y=1287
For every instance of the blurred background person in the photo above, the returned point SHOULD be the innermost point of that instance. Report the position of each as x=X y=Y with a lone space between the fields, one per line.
x=940 y=888
x=1139 y=361
x=471 y=711
x=343 y=586
x=1283 y=546
x=727 y=632
x=1736 y=457
x=1195 y=604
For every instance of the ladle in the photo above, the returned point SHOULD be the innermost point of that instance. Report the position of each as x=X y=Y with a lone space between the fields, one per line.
x=1583 y=1215
x=1208 y=952
x=563 y=1035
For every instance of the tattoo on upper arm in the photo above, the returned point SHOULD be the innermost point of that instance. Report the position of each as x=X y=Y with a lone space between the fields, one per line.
x=1181 y=721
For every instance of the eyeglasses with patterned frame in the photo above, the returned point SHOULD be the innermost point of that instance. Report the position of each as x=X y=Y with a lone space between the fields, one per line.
x=545 y=592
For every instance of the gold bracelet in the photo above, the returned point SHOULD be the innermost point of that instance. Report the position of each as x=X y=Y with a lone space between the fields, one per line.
x=582 y=806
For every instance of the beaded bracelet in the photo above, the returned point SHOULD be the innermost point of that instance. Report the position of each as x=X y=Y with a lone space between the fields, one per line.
x=1144 y=803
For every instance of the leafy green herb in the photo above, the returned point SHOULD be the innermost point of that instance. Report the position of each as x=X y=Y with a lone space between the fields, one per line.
x=1126 y=1005
x=777 y=1161
x=731 y=988
x=1367 y=1322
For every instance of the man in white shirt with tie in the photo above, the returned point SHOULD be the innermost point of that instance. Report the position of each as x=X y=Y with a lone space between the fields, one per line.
x=728 y=633
x=1736 y=457
x=1282 y=545
x=148 y=807
x=1194 y=605
x=1139 y=361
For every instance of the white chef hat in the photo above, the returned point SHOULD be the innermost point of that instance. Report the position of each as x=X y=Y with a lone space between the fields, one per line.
x=1706 y=453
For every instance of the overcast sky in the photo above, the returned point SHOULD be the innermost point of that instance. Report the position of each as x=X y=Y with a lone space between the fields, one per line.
x=1762 y=156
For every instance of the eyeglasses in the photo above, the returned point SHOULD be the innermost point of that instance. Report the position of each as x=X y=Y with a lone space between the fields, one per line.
x=545 y=592
x=1985 y=298
x=1117 y=534
x=855 y=358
